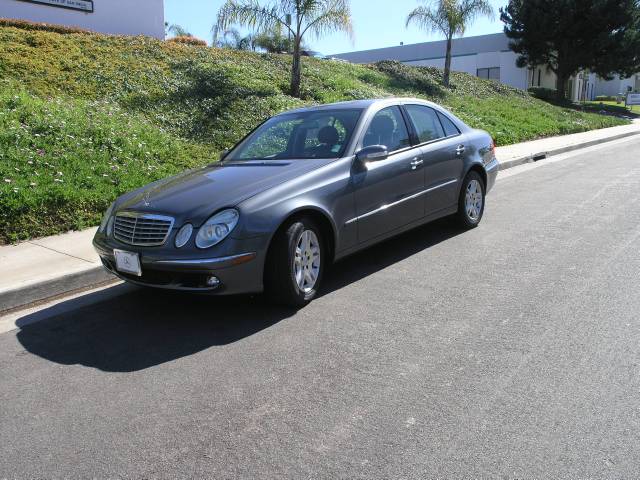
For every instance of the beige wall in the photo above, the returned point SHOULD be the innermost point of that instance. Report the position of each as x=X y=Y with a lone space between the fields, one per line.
x=542 y=77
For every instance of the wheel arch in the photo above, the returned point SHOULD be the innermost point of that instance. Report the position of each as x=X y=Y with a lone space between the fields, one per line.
x=477 y=167
x=318 y=215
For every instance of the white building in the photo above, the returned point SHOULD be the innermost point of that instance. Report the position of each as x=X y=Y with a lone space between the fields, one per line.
x=616 y=86
x=486 y=56
x=122 y=17
x=489 y=56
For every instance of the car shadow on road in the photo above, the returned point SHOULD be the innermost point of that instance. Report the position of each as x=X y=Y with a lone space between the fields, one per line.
x=125 y=329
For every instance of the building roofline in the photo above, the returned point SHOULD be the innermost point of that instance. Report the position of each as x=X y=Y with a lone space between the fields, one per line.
x=431 y=50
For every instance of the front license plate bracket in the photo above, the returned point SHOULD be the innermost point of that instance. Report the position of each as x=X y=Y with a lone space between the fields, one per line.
x=128 y=262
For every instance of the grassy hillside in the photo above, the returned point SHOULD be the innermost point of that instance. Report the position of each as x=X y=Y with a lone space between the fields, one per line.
x=85 y=117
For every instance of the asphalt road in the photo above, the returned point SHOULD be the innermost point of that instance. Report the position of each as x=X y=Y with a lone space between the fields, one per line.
x=507 y=351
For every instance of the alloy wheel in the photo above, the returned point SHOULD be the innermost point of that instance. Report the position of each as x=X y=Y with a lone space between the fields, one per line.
x=306 y=262
x=473 y=200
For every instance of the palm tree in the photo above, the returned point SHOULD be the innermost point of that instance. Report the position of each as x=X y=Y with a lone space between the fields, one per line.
x=297 y=17
x=178 y=30
x=450 y=17
x=275 y=41
x=231 y=38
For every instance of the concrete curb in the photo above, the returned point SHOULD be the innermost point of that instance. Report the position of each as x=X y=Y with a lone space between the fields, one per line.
x=534 y=157
x=47 y=290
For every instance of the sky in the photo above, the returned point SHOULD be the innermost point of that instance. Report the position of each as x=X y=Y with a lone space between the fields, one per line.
x=376 y=24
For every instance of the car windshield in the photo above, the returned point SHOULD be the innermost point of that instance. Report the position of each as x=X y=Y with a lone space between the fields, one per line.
x=313 y=134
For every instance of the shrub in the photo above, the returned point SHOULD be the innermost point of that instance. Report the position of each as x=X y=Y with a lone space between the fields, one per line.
x=543 y=93
x=63 y=161
x=47 y=27
x=605 y=98
x=188 y=41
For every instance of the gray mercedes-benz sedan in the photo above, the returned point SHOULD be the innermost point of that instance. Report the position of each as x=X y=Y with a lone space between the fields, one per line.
x=305 y=188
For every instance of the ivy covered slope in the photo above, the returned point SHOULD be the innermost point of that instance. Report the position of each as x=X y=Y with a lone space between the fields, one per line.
x=86 y=117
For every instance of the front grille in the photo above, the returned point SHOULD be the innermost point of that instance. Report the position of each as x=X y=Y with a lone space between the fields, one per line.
x=142 y=229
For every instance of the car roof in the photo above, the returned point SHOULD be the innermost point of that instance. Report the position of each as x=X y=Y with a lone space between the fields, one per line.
x=359 y=104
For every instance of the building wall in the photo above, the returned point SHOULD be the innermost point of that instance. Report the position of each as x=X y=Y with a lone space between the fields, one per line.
x=617 y=85
x=510 y=74
x=469 y=54
x=125 y=17
x=541 y=77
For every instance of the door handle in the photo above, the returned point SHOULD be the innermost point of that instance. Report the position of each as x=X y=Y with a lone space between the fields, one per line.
x=460 y=150
x=416 y=163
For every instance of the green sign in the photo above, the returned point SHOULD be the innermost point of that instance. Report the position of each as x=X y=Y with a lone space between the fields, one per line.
x=82 y=5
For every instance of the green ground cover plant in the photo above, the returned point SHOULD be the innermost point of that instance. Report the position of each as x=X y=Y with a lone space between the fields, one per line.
x=85 y=117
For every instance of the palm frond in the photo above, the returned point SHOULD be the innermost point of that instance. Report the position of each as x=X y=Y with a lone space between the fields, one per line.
x=428 y=19
x=450 y=17
x=326 y=16
x=470 y=10
x=251 y=14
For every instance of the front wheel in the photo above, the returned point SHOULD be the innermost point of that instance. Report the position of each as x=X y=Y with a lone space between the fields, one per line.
x=295 y=264
x=471 y=201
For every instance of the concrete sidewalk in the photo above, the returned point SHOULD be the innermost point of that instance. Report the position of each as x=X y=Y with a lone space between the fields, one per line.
x=39 y=270
x=513 y=155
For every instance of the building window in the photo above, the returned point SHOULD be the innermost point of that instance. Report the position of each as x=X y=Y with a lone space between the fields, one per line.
x=492 y=73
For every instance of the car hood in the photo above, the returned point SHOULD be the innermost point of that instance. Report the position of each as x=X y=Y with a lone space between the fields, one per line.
x=194 y=195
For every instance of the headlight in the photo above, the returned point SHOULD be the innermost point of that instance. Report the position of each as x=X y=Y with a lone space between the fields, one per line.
x=183 y=235
x=106 y=218
x=217 y=228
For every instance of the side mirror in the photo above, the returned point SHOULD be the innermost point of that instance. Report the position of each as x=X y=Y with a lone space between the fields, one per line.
x=373 y=153
x=223 y=154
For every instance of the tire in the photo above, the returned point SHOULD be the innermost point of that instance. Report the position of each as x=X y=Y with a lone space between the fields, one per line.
x=471 y=202
x=290 y=279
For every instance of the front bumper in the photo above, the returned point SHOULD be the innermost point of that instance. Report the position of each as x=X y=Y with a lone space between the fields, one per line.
x=237 y=272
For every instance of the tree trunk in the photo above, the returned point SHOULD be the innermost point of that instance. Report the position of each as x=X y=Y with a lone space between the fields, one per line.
x=561 y=72
x=447 y=64
x=296 y=69
x=561 y=86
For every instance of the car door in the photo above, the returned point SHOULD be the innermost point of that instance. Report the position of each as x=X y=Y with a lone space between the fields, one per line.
x=441 y=150
x=388 y=192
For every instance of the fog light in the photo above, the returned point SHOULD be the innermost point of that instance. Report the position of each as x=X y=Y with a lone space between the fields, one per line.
x=212 y=281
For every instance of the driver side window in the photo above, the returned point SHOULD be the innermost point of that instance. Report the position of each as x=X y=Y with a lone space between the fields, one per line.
x=389 y=129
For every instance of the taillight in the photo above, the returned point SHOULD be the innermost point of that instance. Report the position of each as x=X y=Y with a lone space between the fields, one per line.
x=493 y=146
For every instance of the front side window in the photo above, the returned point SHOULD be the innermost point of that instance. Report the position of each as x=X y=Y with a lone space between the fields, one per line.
x=387 y=128
x=314 y=134
x=426 y=123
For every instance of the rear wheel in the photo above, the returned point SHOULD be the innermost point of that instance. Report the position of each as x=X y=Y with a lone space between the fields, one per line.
x=471 y=201
x=295 y=264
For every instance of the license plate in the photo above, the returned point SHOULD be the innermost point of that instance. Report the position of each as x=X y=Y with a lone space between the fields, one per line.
x=128 y=262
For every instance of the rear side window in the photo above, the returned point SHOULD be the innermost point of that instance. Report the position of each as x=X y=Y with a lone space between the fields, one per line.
x=450 y=128
x=426 y=123
x=388 y=128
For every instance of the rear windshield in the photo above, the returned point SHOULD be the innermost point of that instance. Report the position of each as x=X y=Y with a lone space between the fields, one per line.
x=314 y=134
